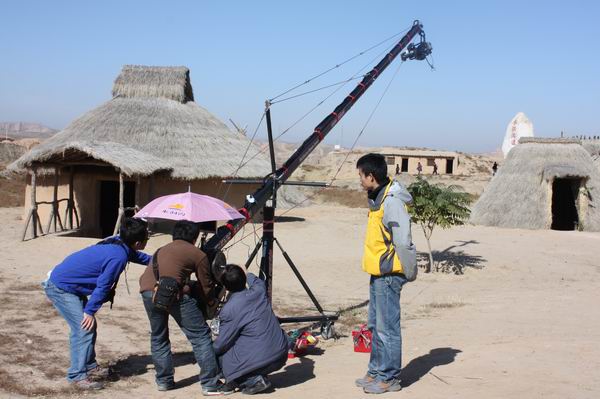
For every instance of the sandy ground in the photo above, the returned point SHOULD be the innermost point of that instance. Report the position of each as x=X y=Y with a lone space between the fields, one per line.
x=521 y=322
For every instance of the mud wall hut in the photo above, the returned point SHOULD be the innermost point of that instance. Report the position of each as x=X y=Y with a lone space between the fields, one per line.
x=544 y=183
x=149 y=140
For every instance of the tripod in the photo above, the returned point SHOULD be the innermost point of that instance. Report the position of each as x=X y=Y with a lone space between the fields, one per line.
x=268 y=240
x=266 y=271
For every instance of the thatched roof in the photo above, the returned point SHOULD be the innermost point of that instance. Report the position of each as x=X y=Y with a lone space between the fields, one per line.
x=152 y=123
x=593 y=147
x=127 y=159
x=143 y=81
x=549 y=140
x=520 y=194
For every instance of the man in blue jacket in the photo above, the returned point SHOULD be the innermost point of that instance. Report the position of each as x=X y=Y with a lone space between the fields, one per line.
x=251 y=344
x=82 y=282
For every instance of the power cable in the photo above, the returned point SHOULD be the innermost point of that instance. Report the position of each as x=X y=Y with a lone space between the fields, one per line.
x=241 y=164
x=341 y=85
x=319 y=89
x=262 y=151
x=339 y=65
x=347 y=155
x=355 y=140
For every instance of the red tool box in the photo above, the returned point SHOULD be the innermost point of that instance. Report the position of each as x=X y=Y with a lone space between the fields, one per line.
x=362 y=339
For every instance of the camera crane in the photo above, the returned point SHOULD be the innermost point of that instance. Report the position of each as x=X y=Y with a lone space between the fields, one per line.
x=259 y=200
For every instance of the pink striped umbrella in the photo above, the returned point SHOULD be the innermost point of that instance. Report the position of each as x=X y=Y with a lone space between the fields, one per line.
x=189 y=206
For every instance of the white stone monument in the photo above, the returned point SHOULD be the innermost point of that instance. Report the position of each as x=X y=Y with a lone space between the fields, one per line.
x=519 y=126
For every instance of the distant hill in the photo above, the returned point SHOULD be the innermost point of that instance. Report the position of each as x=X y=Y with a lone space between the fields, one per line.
x=9 y=152
x=20 y=130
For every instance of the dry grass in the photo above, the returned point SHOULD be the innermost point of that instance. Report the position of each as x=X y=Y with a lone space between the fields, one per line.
x=30 y=363
x=11 y=385
x=12 y=191
x=429 y=310
x=29 y=355
x=310 y=168
x=344 y=196
x=128 y=325
x=348 y=321
x=444 y=305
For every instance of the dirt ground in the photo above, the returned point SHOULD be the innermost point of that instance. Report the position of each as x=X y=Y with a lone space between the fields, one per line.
x=520 y=322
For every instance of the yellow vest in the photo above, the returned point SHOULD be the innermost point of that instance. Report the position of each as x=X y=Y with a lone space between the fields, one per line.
x=380 y=256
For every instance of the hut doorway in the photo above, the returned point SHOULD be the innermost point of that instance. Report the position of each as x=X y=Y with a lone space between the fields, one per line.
x=109 y=203
x=404 y=167
x=449 y=166
x=565 y=194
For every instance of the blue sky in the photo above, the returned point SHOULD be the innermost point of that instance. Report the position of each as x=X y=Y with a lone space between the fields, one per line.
x=492 y=58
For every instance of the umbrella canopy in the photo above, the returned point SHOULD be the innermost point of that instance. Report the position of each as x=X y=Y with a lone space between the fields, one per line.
x=189 y=206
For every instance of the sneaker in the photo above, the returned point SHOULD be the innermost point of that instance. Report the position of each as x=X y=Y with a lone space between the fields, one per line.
x=88 y=384
x=230 y=386
x=366 y=380
x=99 y=373
x=262 y=384
x=383 y=386
x=165 y=386
x=221 y=389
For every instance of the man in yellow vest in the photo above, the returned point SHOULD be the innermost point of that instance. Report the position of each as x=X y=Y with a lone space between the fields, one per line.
x=390 y=258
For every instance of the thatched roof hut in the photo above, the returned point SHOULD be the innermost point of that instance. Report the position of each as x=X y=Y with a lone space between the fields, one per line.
x=152 y=123
x=543 y=183
x=152 y=136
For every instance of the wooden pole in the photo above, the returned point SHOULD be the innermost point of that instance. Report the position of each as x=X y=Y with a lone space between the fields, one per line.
x=70 y=201
x=54 y=214
x=29 y=214
x=72 y=198
x=137 y=194
x=33 y=200
x=33 y=216
x=121 y=204
x=151 y=188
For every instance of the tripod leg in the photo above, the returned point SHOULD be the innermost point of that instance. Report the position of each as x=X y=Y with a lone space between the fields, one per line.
x=253 y=255
x=300 y=278
x=266 y=261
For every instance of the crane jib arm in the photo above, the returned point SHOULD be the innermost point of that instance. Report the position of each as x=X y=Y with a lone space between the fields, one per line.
x=256 y=201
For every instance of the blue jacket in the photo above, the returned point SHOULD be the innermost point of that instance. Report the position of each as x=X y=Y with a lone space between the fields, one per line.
x=249 y=334
x=94 y=271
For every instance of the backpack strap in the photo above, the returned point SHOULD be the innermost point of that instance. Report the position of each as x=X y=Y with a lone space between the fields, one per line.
x=155 y=265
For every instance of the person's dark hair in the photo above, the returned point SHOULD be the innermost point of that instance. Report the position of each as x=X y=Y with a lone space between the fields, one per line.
x=233 y=278
x=133 y=230
x=373 y=164
x=186 y=231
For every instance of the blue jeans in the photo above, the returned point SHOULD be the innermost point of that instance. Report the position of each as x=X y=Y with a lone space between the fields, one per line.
x=81 y=342
x=189 y=317
x=384 y=324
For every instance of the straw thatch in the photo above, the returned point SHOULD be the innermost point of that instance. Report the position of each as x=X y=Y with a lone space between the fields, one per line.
x=127 y=159
x=520 y=195
x=172 y=83
x=593 y=147
x=152 y=123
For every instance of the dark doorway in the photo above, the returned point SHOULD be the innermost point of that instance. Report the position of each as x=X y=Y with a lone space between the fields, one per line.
x=564 y=200
x=449 y=166
x=404 y=167
x=109 y=204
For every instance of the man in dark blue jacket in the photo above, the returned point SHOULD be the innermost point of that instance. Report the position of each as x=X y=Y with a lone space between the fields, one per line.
x=251 y=344
x=82 y=282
